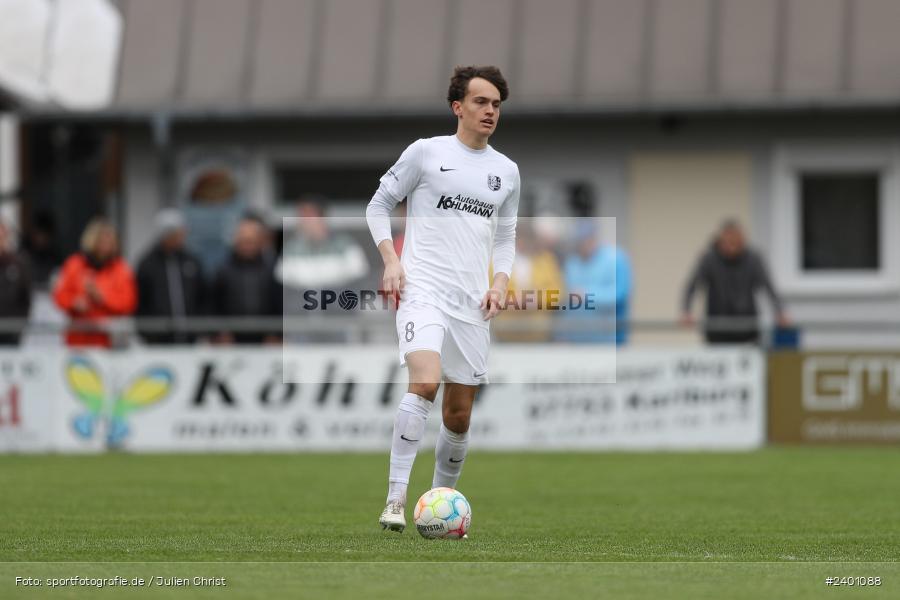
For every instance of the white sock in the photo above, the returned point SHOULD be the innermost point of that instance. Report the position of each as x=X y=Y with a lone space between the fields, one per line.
x=449 y=456
x=409 y=427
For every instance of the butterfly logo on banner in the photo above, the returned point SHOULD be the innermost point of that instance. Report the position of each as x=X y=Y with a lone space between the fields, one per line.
x=149 y=387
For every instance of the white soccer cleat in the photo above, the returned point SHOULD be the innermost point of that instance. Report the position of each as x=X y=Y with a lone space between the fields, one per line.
x=392 y=517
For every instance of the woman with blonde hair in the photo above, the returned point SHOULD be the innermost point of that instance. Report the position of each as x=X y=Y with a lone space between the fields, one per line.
x=95 y=284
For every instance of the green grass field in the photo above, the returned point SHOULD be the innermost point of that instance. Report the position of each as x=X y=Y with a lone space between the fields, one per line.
x=767 y=524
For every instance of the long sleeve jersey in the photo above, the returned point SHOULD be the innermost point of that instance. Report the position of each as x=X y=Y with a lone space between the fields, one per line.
x=461 y=216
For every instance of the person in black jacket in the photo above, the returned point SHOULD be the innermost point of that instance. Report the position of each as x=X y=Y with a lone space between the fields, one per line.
x=170 y=282
x=731 y=273
x=245 y=286
x=40 y=246
x=15 y=288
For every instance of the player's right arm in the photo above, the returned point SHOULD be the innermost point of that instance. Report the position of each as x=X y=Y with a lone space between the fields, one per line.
x=398 y=183
x=394 y=278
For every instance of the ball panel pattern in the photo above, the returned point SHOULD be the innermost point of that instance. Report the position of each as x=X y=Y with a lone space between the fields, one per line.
x=442 y=513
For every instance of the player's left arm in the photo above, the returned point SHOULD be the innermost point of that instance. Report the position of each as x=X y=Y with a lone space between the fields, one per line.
x=504 y=252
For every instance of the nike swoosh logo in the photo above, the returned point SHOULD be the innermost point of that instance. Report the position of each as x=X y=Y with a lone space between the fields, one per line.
x=403 y=437
x=443 y=170
x=478 y=374
x=457 y=461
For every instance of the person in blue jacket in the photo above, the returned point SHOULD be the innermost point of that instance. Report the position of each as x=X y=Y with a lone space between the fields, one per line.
x=598 y=277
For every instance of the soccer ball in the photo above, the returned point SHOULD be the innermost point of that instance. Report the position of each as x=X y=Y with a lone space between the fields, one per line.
x=442 y=513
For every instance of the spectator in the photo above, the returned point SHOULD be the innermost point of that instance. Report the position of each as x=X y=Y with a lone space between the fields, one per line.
x=535 y=271
x=170 y=281
x=268 y=241
x=95 y=284
x=245 y=285
x=599 y=277
x=44 y=259
x=314 y=258
x=549 y=228
x=40 y=246
x=731 y=273
x=15 y=288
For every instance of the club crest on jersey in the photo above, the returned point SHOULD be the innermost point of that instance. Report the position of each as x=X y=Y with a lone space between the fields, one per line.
x=493 y=182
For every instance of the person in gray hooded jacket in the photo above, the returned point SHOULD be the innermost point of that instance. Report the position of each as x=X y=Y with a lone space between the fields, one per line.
x=732 y=273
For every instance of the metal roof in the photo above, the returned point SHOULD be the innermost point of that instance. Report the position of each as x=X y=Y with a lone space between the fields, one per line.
x=258 y=57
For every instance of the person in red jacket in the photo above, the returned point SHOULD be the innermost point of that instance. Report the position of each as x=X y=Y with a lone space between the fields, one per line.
x=95 y=284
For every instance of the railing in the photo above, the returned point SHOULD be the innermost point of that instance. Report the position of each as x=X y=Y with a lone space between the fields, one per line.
x=365 y=327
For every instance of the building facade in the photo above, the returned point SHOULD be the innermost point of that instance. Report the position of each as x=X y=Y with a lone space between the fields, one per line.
x=669 y=116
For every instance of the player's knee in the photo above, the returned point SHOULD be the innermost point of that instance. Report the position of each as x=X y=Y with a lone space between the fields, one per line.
x=457 y=420
x=425 y=390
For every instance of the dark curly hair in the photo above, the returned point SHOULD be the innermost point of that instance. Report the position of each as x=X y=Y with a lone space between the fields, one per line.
x=459 y=83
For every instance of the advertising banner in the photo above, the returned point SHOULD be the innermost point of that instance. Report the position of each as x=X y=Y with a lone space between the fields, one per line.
x=667 y=399
x=211 y=399
x=834 y=397
x=27 y=402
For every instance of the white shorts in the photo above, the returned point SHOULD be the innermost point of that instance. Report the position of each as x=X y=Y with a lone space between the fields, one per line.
x=463 y=347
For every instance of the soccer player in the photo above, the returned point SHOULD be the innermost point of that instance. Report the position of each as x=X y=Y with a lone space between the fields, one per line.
x=462 y=198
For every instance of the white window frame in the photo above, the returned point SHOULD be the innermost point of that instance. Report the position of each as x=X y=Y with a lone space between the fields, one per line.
x=313 y=154
x=792 y=159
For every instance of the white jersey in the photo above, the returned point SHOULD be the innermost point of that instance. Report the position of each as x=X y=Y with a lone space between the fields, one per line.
x=461 y=213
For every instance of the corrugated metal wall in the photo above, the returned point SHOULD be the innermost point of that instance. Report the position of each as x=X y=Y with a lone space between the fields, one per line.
x=592 y=55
